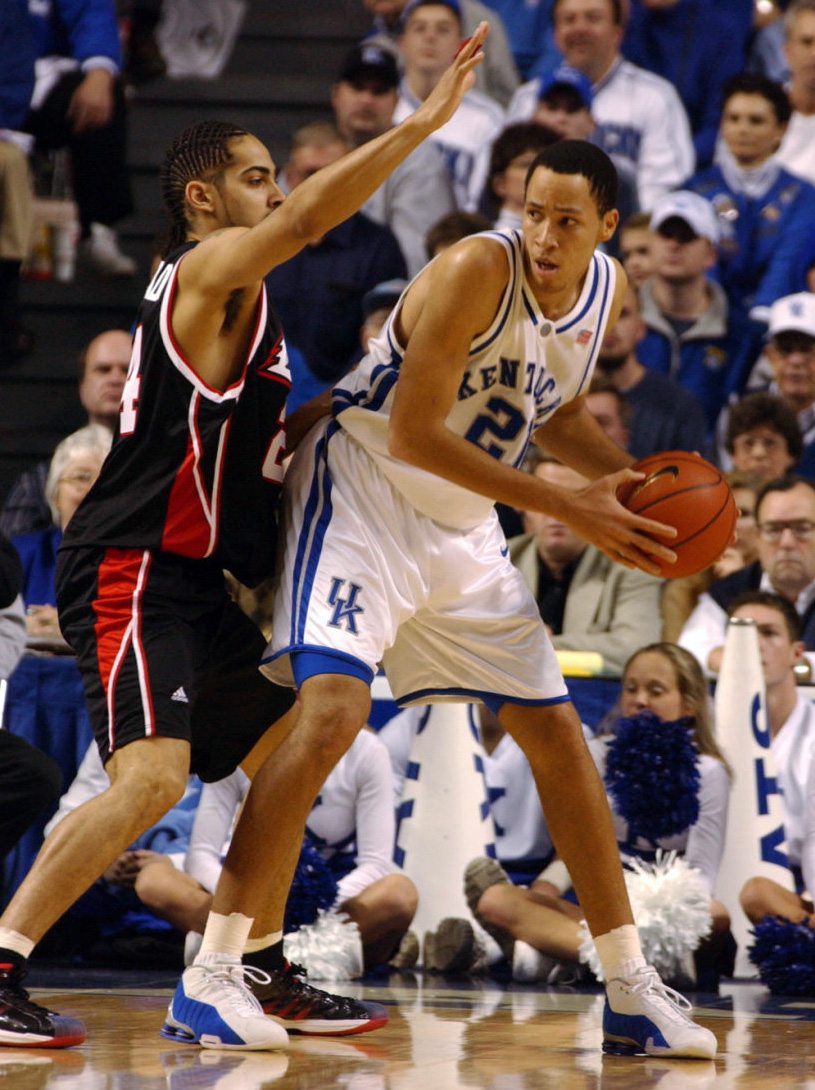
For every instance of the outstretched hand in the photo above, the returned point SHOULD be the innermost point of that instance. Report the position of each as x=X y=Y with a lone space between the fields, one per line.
x=597 y=515
x=444 y=99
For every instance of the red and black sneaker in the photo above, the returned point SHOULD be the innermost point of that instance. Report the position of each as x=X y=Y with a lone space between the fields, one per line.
x=300 y=1008
x=29 y=1025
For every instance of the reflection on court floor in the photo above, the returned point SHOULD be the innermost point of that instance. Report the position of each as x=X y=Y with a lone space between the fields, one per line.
x=442 y=1035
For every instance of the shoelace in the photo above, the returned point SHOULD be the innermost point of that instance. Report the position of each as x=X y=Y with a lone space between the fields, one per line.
x=235 y=977
x=670 y=1001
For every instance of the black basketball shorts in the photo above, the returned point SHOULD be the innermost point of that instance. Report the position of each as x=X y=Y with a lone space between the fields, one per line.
x=164 y=651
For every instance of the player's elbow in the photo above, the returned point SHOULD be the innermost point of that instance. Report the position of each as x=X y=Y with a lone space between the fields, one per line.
x=404 y=445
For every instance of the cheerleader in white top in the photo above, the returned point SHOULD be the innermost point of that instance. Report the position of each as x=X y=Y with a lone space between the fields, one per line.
x=352 y=824
x=667 y=681
x=791 y=719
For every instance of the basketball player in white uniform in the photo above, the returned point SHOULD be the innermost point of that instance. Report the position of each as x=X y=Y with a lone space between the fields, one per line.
x=394 y=554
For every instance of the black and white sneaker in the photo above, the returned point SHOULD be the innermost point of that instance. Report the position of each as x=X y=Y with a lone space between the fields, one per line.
x=289 y=999
x=29 y=1025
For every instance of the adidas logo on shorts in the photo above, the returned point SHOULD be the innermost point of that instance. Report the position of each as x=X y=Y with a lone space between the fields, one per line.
x=180 y=696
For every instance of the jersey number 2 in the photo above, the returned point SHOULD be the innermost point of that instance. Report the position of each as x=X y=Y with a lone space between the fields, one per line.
x=504 y=422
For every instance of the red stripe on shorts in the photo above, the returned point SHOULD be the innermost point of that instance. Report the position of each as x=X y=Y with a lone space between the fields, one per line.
x=117 y=608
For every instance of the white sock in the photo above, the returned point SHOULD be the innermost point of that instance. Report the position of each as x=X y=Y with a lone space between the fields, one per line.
x=620 y=952
x=13 y=940
x=224 y=935
x=253 y=945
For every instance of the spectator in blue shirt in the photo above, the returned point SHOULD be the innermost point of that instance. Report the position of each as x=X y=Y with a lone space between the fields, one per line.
x=764 y=211
x=690 y=44
x=688 y=336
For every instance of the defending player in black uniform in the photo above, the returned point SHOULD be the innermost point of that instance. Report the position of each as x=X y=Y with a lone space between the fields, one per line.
x=190 y=488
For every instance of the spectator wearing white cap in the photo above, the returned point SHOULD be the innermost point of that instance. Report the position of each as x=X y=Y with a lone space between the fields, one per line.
x=419 y=191
x=685 y=312
x=639 y=115
x=429 y=38
x=765 y=211
x=790 y=353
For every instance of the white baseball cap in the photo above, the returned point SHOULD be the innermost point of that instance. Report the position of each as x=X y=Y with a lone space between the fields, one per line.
x=695 y=210
x=793 y=313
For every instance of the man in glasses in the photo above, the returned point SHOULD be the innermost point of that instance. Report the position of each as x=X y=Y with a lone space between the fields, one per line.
x=785 y=518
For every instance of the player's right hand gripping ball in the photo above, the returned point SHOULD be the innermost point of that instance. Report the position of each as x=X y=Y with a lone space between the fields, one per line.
x=685 y=491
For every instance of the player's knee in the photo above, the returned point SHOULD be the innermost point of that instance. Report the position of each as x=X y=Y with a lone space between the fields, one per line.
x=154 y=789
x=332 y=717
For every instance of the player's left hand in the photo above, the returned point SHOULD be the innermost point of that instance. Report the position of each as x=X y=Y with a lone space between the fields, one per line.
x=443 y=100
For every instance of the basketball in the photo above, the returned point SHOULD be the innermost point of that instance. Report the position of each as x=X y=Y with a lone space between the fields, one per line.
x=683 y=490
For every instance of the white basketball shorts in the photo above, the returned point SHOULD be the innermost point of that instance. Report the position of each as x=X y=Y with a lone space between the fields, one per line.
x=367 y=579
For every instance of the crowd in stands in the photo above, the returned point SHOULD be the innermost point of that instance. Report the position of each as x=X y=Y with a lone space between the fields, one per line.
x=708 y=113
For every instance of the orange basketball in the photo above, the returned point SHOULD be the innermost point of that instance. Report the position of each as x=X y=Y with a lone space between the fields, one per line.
x=683 y=490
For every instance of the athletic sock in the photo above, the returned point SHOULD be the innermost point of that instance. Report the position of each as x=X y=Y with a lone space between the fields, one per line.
x=270 y=959
x=13 y=943
x=620 y=952
x=224 y=935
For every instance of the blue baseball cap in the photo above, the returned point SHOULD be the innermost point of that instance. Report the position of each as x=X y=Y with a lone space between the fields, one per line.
x=566 y=76
x=454 y=6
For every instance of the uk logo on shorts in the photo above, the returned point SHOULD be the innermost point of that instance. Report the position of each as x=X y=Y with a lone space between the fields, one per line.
x=344 y=605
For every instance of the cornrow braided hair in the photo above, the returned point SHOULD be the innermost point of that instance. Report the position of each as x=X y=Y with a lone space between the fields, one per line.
x=199 y=148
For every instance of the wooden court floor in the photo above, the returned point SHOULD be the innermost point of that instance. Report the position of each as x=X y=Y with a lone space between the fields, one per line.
x=442 y=1035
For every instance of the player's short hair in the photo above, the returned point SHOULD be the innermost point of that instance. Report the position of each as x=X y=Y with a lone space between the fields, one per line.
x=617 y=12
x=200 y=151
x=693 y=688
x=581 y=157
x=765 y=411
x=772 y=601
x=754 y=83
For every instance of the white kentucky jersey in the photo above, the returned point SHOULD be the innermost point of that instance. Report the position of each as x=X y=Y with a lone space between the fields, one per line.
x=519 y=372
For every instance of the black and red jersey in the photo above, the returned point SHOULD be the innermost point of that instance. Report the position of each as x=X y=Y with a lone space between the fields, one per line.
x=193 y=470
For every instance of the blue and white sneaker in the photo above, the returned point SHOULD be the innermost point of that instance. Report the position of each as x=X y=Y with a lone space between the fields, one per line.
x=643 y=1016
x=213 y=1007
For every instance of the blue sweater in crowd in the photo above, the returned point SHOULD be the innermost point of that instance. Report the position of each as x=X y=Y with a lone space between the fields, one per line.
x=80 y=29
x=760 y=257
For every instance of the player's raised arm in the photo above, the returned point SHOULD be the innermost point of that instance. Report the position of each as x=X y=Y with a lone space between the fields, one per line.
x=236 y=259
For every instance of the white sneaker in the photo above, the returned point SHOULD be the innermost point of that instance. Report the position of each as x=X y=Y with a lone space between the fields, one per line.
x=644 y=1016
x=101 y=249
x=213 y=1007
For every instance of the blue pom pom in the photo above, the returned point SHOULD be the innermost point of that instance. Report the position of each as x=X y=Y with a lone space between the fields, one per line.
x=314 y=887
x=784 y=954
x=652 y=773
